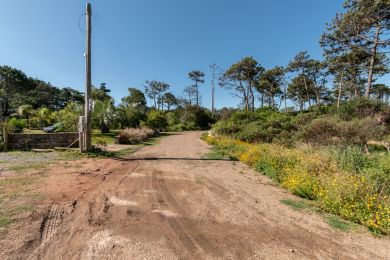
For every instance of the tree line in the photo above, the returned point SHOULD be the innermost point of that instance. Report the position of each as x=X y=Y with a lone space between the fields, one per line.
x=355 y=45
x=33 y=103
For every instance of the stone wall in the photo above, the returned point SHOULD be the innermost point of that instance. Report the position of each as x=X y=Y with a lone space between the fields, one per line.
x=41 y=141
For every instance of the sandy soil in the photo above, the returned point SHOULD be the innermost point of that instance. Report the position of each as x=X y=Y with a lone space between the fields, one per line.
x=167 y=202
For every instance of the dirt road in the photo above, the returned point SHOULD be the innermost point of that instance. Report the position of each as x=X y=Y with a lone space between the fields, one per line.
x=167 y=202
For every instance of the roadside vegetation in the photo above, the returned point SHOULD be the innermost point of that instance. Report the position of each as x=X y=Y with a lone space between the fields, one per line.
x=328 y=177
x=325 y=133
x=31 y=106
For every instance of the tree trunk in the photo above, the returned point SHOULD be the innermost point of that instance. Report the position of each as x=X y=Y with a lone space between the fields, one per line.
x=356 y=90
x=262 y=99
x=285 y=94
x=307 y=89
x=317 y=91
x=300 y=102
x=246 y=98
x=252 y=97
x=372 y=62
x=197 y=94
x=340 y=87
x=104 y=128
x=318 y=101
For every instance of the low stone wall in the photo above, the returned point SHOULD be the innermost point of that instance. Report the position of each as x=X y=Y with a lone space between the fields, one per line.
x=41 y=141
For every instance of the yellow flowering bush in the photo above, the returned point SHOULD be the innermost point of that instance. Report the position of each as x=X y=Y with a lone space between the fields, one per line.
x=300 y=182
x=315 y=175
x=251 y=155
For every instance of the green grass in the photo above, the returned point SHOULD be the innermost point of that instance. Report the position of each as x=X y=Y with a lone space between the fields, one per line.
x=21 y=209
x=294 y=204
x=30 y=166
x=99 y=153
x=338 y=223
x=332 y=220
x=4 y=221
x=20 y=181
x=215 y=154
x=104 y=138
x=156 y=140
x=70 y=155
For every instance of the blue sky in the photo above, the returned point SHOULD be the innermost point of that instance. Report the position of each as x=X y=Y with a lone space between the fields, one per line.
x=139 y=40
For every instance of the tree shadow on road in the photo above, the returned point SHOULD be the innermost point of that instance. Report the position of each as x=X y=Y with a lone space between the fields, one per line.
x=167 y=159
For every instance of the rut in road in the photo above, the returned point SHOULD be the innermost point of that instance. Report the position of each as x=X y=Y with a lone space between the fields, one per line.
x=189 y=234
x=180 y=206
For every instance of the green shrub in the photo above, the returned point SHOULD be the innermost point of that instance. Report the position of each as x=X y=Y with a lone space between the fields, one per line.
x=16 y=125
x=362 y=107
x=243 y=117
x=226 y=127
x=177 y=128
x=156 y=120
x=203 y=118
x=264 y=125
x=172 y=119
x=127 y=116
x=353 y=158
x=68 y=117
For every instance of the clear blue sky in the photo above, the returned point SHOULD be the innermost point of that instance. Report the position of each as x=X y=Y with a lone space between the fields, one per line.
x=138 y=40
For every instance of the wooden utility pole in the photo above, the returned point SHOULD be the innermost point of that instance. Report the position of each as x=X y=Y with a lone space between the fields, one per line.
x=88 y=98
x=213 y=67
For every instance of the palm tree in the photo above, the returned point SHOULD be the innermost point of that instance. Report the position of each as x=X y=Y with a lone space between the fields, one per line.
x=104 y=114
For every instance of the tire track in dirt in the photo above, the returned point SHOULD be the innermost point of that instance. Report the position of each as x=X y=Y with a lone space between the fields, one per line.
x=102 y=241
x=186 y=229
x=127 y=175
x=98 y=208
x=176 y=226
x=51 y=222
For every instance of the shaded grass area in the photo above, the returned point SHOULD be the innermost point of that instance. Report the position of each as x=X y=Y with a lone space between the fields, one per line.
x=294 y=204
x=215 y=154
x=104 y=138
x=339 y=224
x=156 y=140
x=99 y=138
